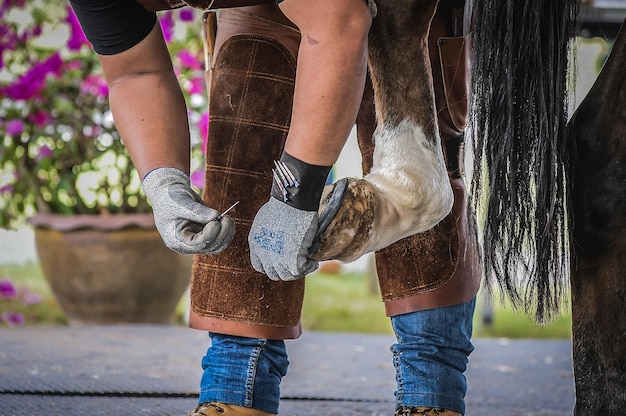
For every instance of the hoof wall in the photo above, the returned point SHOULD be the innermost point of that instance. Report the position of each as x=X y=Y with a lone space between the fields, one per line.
x=347 y=213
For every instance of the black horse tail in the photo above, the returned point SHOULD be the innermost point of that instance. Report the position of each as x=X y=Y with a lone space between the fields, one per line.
x=522 y=153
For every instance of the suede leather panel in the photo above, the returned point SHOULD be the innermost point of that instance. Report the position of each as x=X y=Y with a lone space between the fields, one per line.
x=442 y=263
x=250 y=110
x=450 y=63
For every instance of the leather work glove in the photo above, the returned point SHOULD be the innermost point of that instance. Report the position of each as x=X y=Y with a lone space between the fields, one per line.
x=284 y=229
x=186 y=225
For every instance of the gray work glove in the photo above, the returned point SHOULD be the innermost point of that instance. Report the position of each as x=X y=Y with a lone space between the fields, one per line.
x=186 y=225
x=280 y=241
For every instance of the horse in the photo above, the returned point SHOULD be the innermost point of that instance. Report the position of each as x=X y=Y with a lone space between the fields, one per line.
x=551 y=191
x=598 y=272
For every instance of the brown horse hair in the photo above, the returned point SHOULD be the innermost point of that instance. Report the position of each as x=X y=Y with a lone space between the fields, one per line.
x=522 y=154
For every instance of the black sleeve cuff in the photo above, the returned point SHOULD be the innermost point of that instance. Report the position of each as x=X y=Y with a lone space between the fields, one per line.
x=306 y=193
x=113 y=26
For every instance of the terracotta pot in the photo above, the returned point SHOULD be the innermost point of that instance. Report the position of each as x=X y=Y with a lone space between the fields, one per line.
x=110 y=269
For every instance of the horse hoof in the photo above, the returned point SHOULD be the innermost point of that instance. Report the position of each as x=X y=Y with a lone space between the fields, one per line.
x=347 y=213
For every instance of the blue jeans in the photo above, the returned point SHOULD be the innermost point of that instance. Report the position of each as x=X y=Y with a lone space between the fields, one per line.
x=244 y=372
x=431 y=356
x=430 y=359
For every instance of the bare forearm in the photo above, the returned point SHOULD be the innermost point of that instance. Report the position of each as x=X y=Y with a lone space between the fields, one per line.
x=330 y=107
x=148 y=105
x=332 y=64
x=150 y=114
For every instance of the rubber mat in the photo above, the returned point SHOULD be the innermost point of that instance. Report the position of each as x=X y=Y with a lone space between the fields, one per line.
x=155 y=370
x=108 y=359
x=147 y=360
x=127 y=406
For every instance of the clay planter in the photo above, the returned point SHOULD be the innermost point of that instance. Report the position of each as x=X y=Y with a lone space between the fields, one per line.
x=110 y=269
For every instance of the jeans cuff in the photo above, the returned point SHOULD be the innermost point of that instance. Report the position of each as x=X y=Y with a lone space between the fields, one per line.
x=433 y=400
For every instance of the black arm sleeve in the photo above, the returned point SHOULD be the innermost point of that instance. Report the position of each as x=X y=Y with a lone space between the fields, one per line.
x=113 y=26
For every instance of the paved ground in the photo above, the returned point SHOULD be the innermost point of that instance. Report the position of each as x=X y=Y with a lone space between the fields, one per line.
x=154 y=370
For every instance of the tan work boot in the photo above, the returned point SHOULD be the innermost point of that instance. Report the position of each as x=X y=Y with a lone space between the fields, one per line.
x=425 y=411
x=221 y=409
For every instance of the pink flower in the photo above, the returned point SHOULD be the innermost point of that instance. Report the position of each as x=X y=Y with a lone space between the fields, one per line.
x=36 y=31
x=14 y=127
x=53 y=65
x=77 y=36
x=189 y=60
x=75 y=64
x=93 y=131
x=8 y=4
x=44 y=153
x=8 y=41
x=186 y=14
x=94 y=85
x=31 y=298
x=30 y=32
x=26 y=87
x=31 y=84
x=197 y=85
x=197 y=178
x=203 y=126
x=39 y=118
x=7 y=289
x=167 y=25
x=12 y=318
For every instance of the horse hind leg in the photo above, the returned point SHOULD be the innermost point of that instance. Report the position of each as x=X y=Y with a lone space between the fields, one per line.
x=599 y=272
x=407 y=191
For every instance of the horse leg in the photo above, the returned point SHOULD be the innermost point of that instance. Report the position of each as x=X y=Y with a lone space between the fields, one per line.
x=599 y=267
x=408 y=190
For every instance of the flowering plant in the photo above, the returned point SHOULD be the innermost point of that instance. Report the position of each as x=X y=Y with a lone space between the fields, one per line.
x=59 y=149
x=14 y=302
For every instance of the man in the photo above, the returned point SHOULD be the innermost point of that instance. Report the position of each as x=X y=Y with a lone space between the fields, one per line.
x=287 y=83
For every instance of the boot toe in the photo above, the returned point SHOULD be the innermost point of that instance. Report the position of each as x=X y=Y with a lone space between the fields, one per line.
x=222 y=409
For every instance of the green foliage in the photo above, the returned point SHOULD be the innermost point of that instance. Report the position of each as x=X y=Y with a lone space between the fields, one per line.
x=60 y=151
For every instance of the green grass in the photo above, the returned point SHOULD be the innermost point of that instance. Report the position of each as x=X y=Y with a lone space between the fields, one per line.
x=509 y=323
x=347 y=302
x=344 y=302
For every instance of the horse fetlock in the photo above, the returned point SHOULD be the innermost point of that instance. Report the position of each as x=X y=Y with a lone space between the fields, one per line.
x=358 y=217
x=421 y=200
x=406 y=192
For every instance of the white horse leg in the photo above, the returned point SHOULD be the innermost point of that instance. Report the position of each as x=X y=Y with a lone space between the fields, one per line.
x=408 y=190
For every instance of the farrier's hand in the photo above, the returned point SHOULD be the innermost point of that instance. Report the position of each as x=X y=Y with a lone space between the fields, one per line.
x=284 y=229
x=280 y=240
x=186 y=225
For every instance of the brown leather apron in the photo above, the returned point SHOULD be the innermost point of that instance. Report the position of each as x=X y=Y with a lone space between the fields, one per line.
x=252 y=81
